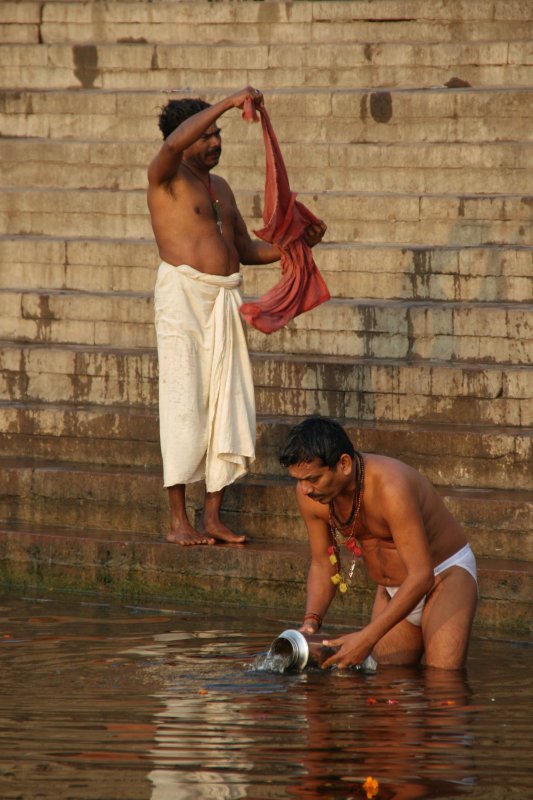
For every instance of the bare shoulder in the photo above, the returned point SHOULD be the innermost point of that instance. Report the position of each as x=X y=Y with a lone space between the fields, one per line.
x=390 y=483
x=164 y=165
x=389 y=472
x=220 y=182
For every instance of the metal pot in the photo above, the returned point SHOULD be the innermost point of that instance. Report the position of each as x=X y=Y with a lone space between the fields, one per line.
x=294 y=650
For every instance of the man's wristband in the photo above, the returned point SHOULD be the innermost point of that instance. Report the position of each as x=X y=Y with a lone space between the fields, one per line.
x=317 y=618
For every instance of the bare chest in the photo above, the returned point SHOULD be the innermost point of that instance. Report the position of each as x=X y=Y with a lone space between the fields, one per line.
x=382 y=562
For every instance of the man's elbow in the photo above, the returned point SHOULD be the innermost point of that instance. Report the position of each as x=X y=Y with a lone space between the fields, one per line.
x=247 y=255
x=247 y=248
x=247 y=261
x=423 y=580
x=172 y=148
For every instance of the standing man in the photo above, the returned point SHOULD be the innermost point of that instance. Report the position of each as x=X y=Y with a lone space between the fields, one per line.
x=206 y=395
x=413 y=549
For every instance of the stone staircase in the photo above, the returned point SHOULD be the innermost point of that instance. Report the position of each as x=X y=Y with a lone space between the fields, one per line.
x=407 y=127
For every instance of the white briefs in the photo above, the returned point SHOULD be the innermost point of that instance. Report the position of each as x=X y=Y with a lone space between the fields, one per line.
x=464 y=558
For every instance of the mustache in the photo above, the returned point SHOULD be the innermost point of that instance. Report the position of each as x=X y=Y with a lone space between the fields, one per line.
x=216 y=152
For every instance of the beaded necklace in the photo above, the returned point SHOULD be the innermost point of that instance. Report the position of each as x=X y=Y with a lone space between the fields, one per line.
x=336 y=526
x=215 y=205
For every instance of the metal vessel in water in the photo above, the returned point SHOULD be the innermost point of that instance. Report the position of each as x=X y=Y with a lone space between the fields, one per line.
x=294 y=650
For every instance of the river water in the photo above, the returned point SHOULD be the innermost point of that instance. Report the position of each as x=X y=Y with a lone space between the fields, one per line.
x=105 y=701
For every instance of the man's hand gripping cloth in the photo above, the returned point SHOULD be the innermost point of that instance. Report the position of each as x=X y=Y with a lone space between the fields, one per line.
x=206 y=392
x=301 y=286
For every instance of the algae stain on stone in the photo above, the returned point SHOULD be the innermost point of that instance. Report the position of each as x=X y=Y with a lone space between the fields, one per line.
x=421 y=276
x=80 y=378
x=18 y=380
x=86 y=64
x=381 y=106
x=256 y=207
x=42 y=313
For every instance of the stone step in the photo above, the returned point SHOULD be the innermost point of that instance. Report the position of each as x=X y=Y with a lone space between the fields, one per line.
x=462 y=273
x=180 y=23
x=379 y=390
x=84 y=433
x=501 y=333
x=183 y=11
x=52 y=317
x=494 y=457
x=352 y=217
x=269 y=65
x=393 y=391
x=272 y=574
x=117 y=498
x=455 y=453
x=302 y=115
x=101 y=160
x=475 y=332
x=279 y=30
x=487 y=274
x=329 y=170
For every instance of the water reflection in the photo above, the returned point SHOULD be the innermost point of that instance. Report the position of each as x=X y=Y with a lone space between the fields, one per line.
x=119 y=702
x=409 y=728
x=201 y=746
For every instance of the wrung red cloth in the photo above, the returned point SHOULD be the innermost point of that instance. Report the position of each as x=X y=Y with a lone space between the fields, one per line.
x=301 y=286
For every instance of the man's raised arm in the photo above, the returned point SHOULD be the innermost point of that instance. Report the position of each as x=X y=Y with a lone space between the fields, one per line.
x=165 y=164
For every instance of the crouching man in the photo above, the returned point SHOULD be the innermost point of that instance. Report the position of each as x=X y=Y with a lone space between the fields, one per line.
x=387 y=513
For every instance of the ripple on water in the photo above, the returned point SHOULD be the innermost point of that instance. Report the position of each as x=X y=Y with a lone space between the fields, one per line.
x=114 y=702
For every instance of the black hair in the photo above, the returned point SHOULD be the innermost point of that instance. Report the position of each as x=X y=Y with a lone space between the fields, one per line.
x=316 y=437
x=177 y=111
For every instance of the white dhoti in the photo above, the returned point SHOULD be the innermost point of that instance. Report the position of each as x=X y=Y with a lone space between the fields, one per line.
x=206 y=392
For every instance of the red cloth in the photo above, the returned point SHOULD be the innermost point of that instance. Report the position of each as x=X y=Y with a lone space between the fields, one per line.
x=301 y=286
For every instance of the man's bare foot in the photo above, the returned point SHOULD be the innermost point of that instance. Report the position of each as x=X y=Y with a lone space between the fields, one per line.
x=222 y=533
x=185 y=534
